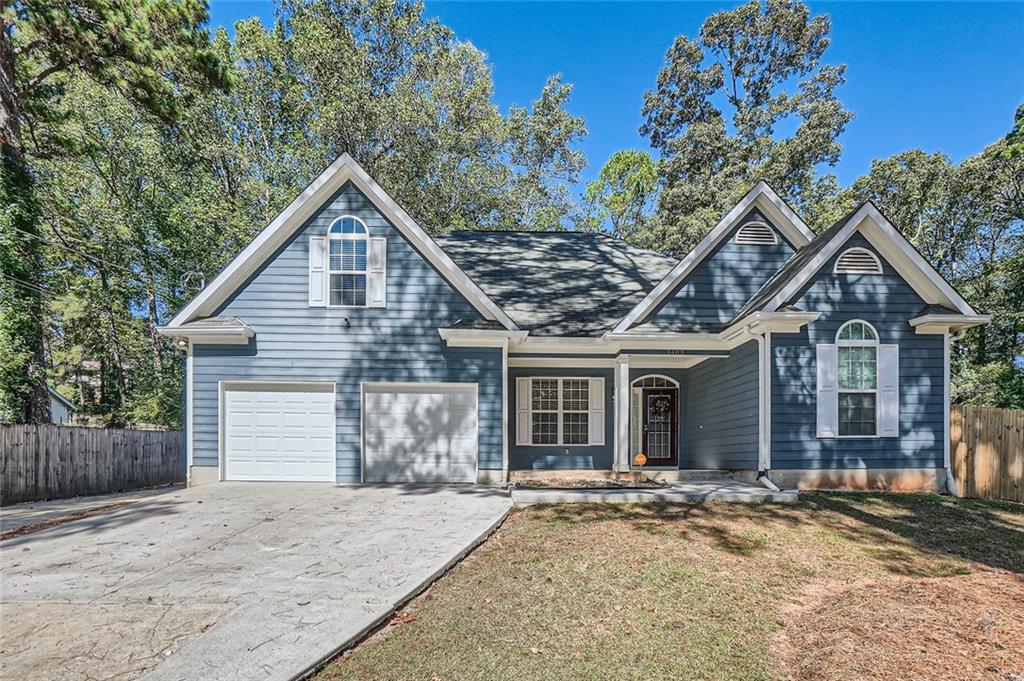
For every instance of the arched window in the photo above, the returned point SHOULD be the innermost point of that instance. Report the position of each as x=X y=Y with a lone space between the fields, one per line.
x=655 y=381
x=857 y=355
x=858 y=260
x=347 y=240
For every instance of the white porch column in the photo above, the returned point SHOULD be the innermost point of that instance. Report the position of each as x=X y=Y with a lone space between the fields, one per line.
x=622 y=413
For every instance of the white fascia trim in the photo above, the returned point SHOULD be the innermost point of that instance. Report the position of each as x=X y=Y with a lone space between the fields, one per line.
x=561 y=362
x=947 y=323
x=343 y=170
x=481 y=338
x=903 y=257
x=761 y=195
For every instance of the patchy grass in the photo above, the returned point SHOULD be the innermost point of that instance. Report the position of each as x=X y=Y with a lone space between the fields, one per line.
x=721 y=591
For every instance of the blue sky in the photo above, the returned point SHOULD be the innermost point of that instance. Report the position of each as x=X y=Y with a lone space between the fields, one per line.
x=937 y=76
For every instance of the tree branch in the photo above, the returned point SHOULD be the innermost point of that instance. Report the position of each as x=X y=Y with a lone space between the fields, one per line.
x=37 y=79
x=28 y=47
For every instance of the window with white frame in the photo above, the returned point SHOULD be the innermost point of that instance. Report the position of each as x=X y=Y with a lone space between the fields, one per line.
x=559 y=410
x=347 y=257
x=857 y=384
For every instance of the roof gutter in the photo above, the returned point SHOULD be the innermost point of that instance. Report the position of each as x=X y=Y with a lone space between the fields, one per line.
x=948 y=323
x=481 y=338
x=233 y=335
x=788 y=321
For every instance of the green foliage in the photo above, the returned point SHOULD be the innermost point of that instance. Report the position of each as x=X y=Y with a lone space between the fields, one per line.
x=1015 y=138
x=138 y=213
x=623 y=194
x=719 y=106
x=151 y=52
x=968 y=222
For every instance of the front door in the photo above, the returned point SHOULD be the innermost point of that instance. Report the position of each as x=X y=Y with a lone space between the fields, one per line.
x=660 y=427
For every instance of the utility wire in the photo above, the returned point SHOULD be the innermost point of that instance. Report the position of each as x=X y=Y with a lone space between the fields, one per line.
x=166 y=292
x=24 y=284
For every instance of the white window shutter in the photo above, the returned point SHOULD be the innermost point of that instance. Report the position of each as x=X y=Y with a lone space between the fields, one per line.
x=596 y=418
x=888 y=390
x=523 y=411
x=317 y=271
x=377 y=273
x=828 y=395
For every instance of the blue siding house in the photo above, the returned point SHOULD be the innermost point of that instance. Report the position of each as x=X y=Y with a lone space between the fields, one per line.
x=347 y=345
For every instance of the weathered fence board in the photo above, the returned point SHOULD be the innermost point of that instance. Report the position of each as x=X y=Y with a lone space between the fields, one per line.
x=987 y=451
x=56 y=462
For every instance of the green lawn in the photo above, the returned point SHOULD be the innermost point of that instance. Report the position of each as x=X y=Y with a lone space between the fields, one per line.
x=718 y=591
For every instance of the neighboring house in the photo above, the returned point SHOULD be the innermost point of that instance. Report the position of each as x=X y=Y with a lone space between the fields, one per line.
x=344 y=344
x=61 y=409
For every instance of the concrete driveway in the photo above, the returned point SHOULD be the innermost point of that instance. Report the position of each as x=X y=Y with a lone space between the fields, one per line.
x=227 y=581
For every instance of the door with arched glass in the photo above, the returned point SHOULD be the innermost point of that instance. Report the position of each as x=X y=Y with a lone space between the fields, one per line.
x=655 y=421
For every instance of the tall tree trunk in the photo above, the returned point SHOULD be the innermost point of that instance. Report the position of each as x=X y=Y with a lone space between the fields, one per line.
x=115 y=343
x=23 y=390
x=153 y=322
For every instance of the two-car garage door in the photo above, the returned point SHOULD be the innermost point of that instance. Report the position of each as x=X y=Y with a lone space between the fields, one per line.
x=411 y=432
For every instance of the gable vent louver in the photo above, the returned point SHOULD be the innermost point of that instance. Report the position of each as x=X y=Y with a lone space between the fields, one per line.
x=756 y=233
x=858 y=261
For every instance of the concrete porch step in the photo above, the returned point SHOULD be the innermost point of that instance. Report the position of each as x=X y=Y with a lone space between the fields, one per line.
x=724 y=489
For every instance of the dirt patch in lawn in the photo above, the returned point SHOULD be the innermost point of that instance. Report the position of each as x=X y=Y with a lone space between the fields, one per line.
x=966 y=627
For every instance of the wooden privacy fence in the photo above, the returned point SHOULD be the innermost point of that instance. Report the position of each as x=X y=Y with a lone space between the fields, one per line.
x=987 y=451
x=55 y=462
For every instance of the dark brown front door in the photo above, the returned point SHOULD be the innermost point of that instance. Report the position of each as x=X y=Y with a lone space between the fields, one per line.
x=661 y=431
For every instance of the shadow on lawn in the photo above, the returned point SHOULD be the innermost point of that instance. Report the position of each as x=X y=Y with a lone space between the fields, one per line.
x=889 y=527
x=985 y=532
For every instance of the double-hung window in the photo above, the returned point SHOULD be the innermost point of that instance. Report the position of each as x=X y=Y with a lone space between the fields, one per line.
x=560 y=411
x=857 y=356
x=347 y=255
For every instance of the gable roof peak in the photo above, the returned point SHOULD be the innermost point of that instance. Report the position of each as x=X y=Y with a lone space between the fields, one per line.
x=762 y=196
x=344 y=169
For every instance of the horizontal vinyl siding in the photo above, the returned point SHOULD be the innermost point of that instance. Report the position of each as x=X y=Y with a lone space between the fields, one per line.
x=297 y=343
x=720 y=411
x=887 y=302
x=562 y=457
x=724 y=280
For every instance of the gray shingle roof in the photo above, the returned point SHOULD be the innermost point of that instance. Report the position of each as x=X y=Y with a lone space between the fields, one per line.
x=558 y=283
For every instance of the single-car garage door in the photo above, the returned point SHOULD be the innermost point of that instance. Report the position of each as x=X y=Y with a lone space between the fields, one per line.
x=279 y=432
x=420 y=432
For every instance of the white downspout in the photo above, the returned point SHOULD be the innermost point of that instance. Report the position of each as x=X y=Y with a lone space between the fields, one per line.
x=762 y=409
x=504 y=412
x=951 y=485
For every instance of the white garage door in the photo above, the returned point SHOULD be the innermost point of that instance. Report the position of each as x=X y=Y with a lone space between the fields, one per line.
x=279 y=432
x=420 y=433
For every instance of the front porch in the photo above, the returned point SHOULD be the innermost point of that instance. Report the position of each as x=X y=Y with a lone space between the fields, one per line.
x=637 y=418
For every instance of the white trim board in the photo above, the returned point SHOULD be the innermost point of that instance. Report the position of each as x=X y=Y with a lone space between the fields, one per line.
x=760 y=196
x=304 y=206
x=892 y=246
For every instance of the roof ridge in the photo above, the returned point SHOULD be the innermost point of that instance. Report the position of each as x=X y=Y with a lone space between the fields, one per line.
x=569 y=232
